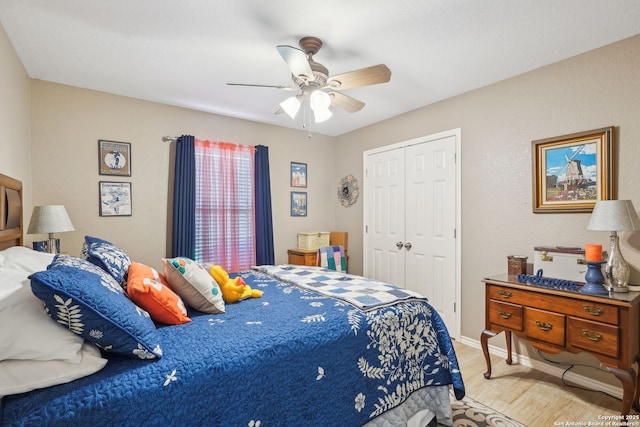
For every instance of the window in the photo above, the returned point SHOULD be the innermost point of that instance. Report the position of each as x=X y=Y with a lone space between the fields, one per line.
x=225 y=231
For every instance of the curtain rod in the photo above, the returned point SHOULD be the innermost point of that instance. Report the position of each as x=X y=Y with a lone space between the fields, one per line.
x=168 y=138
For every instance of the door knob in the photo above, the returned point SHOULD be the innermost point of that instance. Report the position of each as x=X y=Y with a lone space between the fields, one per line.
x=407 y=246
x=399 y=245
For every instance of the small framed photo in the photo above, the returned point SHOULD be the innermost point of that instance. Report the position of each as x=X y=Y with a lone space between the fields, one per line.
x=572 y=172
x=115 y=198
x=114 y=158
x=298 y=174
x=298 y=203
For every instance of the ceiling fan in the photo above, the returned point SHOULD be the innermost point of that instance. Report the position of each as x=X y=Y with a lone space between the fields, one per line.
x=315 y=84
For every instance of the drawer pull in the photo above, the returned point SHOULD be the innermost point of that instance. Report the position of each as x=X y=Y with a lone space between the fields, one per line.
x=594 y=311
x=504 y=314
x=544 y=326
x=591 y=336
x=504 y=294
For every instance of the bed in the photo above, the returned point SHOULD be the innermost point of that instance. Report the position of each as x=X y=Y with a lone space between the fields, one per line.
x=317 y=348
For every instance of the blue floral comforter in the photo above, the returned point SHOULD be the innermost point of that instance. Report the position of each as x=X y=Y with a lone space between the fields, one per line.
x=291 y=358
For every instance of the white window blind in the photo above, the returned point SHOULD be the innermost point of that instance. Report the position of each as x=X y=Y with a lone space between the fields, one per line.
x=225 y=231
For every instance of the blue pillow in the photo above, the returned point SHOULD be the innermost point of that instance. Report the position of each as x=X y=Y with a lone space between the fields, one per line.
x=89 y=302
x=108 y=257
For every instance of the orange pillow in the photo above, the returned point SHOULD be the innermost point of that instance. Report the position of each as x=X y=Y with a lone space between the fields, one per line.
x=148 y=289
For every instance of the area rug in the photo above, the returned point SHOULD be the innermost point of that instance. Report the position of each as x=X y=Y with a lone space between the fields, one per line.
x=470 y=413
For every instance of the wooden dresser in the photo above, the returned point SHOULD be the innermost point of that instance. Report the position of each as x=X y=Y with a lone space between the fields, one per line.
x=608 y=327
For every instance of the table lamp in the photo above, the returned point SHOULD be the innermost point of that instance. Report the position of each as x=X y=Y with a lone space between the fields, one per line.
x=614 y=216
x=50 y=219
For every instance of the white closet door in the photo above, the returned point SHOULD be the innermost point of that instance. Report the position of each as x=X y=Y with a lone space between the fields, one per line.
x=430 y=224
x=384 y=212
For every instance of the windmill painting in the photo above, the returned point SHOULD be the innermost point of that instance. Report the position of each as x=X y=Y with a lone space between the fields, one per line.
x=572 y=172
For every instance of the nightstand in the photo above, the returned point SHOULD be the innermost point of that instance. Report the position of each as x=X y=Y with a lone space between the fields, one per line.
x=302 y=256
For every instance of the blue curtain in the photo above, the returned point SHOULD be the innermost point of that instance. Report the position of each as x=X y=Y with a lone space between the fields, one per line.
x=264 y=222
x=184 y=199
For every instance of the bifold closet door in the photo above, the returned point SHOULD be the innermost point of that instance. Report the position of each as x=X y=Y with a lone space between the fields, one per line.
x=410 y=219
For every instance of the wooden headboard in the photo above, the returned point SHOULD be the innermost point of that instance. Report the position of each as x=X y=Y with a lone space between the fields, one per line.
x=11 y=232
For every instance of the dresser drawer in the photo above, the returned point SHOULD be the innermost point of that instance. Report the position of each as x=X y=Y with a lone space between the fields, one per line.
x=594 y=311
x=594 y=337
x=514 y=296
x=541 y=301
x=505 y=314
x=544 y=326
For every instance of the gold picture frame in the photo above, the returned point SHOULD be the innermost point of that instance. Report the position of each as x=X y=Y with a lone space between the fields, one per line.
x=572 y=172
x=114 y=158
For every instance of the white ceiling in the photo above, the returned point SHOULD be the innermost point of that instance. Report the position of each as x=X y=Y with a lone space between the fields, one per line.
x=184 y=52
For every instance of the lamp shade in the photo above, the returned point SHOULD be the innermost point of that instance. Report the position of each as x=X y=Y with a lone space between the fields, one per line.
x=320 y=102
x=322 y=115
x=614 y=215
x=291 y=106
x=49 y=219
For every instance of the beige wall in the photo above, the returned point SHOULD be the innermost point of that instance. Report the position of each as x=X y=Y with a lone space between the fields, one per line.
x=15 y=118
x=498 y=123
x=600 y=88
x=69 y=121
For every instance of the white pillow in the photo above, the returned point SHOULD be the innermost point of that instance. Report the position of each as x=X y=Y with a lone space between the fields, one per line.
x=25 y=259
x=20 y=376
x=35 y=352
x=27 y=332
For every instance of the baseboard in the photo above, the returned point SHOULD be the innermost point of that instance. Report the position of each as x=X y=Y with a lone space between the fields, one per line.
x=550 y=369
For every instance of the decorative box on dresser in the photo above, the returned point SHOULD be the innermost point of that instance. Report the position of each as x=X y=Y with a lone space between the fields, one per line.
x=553 y=320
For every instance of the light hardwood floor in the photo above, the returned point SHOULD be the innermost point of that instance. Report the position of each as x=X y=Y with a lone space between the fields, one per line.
x=532 y=397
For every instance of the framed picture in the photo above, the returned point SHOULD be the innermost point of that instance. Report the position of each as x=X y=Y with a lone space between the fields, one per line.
x=298 y=174
x=571 y=172
x=298 y=203
x=115 y=198
x=114 y=158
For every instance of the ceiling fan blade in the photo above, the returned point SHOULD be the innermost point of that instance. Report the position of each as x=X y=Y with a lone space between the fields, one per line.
x=270 y=86
x=345 y=102
x=373 y=75
x=296 y=60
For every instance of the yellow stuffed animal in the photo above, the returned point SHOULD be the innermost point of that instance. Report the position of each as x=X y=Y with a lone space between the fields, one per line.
x=233 y=290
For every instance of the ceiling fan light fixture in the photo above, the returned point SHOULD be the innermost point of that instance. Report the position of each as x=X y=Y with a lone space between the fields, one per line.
x=322 y=115
x=291 y=106
x=319 y=100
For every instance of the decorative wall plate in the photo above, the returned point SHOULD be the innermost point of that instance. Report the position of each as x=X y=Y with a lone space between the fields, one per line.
x=348 y=191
